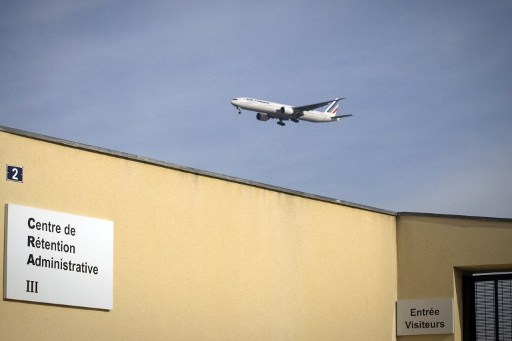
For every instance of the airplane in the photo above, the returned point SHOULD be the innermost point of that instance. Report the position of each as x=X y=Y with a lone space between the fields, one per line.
x=267 y=110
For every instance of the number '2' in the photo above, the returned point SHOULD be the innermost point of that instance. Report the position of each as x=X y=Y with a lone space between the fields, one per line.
x=15 y=173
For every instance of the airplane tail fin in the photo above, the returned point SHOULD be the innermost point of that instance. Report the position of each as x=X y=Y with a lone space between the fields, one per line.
x=333 y=107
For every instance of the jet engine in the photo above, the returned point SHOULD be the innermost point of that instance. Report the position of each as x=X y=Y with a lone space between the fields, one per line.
x=286 y=110
x=262 y=117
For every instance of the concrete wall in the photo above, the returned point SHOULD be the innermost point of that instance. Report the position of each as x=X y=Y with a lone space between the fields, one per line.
x=201 y=257
x=435 y=251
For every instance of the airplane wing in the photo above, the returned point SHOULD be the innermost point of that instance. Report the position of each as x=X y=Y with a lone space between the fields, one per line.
x=336 y=118
x=312 y=106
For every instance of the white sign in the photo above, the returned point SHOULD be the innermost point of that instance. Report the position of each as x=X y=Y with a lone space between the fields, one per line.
x=423 y=317
x=58 y=258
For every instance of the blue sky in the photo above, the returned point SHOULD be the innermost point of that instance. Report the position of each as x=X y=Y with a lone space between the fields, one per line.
x=429 y=83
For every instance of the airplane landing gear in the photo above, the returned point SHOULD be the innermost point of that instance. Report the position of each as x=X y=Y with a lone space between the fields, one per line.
x=239 y=110
x=295 y=120
x=281 y=123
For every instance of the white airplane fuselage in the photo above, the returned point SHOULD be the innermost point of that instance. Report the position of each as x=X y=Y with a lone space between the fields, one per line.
x=280 y=111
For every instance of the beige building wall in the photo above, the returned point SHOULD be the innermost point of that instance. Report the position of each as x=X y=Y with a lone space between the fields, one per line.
x=434 y=252
x=202 y=257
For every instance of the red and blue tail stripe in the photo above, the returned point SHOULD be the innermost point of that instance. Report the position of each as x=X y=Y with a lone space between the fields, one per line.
x=333 y=107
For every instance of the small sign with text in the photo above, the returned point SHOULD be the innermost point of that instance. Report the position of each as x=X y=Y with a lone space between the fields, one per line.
x=58 y=258
x=424 y=317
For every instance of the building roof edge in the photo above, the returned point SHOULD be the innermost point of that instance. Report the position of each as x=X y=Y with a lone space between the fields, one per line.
x=452 y=216
x=165 y=164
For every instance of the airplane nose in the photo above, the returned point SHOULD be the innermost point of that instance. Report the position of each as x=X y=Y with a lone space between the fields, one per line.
x=234 y=101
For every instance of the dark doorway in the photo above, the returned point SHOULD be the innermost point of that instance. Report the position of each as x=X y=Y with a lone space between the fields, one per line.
x=487 y=307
